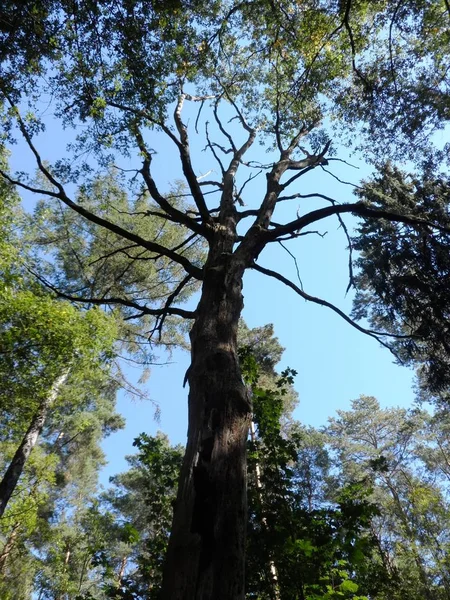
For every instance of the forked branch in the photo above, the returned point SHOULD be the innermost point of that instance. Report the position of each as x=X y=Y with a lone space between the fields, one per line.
x=173 y=214
x=185 y=157
x=61 y=194
x=357 y=208
x=167 y=310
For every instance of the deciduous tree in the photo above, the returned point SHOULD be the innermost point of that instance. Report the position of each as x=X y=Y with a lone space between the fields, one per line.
x=282 y=73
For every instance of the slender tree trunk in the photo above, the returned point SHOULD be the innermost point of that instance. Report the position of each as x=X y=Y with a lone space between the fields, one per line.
x=386 y=558
x=206 y=554
x=62 y=593
x=272 y=566
x=8 y=548
x=410 y=537
x=123 y=564
x=14 y=471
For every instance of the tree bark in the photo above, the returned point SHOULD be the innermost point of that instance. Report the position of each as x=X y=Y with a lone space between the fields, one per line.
x=123 y=565
x=8 y=547
x=206 y=554
x=15 y=469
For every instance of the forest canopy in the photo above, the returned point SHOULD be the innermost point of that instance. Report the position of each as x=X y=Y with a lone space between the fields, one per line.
x=308 y=82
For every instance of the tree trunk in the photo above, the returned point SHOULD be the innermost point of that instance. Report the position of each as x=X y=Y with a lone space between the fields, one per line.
x=8 y=547
x=14 y=471
x=206 y=554
x=275 y=588
x=411 y=538
x=123 y=564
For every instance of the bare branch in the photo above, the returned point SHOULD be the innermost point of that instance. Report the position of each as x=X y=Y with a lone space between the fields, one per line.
x=341 y=222
x=295 y=263
x=296 y=139
x=241 y=117
x=340 y=180
x=122 y=250
x=309 y=161
x=210 y=145
x=198 y=117
x=302 y=172
x=173 y=213
x=370 y=332
x=144 y=310
x=168 y=304
x=315 y=195
x=296 y=235
x=138 y=241
x=278 y=121
x=359 y=209
x=307 y=164
x=249 y=178
x=351 y=279
x=217 y=184
x=341 y=160
x=227 y=200
x=27 y=187
x=252 y=212
x=185 y=156
x=90 y=216
x=223 y=130
x=182 y=145
x=346 y=23
x=200 y=177
x=258 y=234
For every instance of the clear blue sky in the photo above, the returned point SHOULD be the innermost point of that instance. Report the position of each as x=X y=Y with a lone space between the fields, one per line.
x=335 y=363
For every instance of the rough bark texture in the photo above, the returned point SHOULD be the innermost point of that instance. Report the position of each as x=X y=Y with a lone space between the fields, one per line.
x=14 y=471
x=206 y=554
x=207 y=544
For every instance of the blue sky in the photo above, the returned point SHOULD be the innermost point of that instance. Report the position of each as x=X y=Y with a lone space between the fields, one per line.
x=335 y=363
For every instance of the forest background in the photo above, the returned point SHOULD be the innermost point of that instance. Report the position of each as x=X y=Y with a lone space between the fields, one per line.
x=59 y=253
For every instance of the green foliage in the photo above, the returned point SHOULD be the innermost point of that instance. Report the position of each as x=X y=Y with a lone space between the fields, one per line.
x=390 y=449
x=259 y=352
x=377 y=67
x=313 y=547
x=289 y=69
x=403 y=269
x=358 y=511
x=140 y=504
x=41 y=337
x=88 y=261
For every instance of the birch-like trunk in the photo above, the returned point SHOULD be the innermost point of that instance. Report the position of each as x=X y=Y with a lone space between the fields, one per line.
x=15 y=469
x=123 y=565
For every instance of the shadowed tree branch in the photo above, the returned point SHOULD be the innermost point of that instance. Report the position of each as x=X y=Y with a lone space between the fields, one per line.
x=143 y=309
x=370 y=332
x=61 y=195
x=358 y=209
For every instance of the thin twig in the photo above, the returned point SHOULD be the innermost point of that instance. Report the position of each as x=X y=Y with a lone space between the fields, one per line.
x=358 y=187
x=295 y=262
